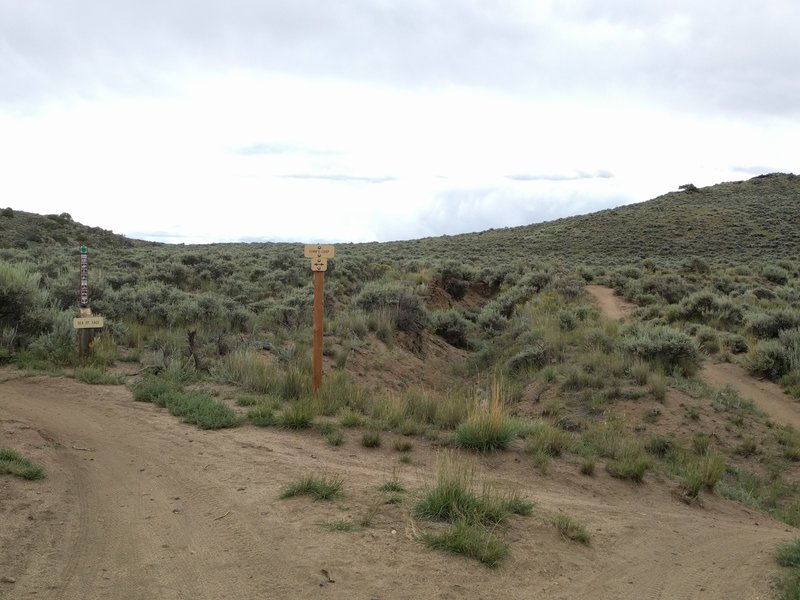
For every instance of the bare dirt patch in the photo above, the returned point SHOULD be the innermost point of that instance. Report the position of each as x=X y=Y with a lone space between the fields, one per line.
x=137 y=505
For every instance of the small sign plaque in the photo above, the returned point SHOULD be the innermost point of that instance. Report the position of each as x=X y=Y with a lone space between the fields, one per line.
x=87 y=322
x=318 y=251
x=319 y=264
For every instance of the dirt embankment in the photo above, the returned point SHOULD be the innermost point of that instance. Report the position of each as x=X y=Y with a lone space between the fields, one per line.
x=137 y=505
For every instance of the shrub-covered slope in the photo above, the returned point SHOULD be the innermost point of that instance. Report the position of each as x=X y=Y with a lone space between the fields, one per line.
x=758 y=218
x=743 y=220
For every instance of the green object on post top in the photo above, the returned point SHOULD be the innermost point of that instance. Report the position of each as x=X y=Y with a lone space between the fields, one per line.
x=84 y=250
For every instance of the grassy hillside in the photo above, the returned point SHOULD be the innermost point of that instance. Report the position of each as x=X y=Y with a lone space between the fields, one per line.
x=36 y=234
x=487 y=341
x=758 y=218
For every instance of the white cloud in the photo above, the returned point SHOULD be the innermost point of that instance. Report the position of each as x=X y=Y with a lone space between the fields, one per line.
x=358 y=120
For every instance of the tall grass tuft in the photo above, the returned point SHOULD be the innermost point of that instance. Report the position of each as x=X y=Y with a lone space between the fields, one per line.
x=319 y=488
x=473 y=517
x=469 y=539
x=453 y=497
x=250 y=370
x=571 y=529
x=489 y=427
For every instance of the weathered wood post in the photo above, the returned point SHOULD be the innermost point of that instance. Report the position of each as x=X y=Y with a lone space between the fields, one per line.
x=319 y=256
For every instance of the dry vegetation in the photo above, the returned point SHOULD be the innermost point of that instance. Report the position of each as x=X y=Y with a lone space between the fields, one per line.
x=503 y=351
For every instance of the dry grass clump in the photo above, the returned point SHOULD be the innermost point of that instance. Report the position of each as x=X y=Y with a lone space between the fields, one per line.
x=250 y=370
x=488 y=427
x=474 y=517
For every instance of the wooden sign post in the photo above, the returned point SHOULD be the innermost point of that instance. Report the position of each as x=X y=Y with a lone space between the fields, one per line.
x=86 y=323
x=319 y=256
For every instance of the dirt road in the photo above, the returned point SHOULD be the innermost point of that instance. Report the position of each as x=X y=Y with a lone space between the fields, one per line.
x=137 y=505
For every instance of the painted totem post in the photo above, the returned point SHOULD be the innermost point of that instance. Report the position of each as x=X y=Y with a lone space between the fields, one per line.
x=86 y=324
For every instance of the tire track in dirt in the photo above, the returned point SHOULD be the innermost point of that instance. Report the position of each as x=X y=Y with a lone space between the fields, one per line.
x=156 y=489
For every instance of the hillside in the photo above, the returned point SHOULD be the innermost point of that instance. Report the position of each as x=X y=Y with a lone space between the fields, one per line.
x=30 y=231
x=757 y=218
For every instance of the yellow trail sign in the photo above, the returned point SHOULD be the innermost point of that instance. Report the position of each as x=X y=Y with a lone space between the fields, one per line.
x=318 y=251
x=87 y=323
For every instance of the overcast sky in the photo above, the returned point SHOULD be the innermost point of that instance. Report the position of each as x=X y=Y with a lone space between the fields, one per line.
x=358 y=120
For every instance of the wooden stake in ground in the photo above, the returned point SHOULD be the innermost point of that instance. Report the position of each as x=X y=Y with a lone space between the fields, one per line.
x=319 y=256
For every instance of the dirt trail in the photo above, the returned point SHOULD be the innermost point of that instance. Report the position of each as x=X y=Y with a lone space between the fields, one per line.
x=767 y=396
x=137 y=505
x=613 y=307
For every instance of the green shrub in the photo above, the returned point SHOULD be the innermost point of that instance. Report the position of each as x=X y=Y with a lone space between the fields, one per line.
x=775 y=274
x=491 y=319
x=534 y=356
x=263 y=416
x=768 y=359
x=547 y=439
x=670 y=349
x=452 y=327
x=790 y=339
x=728 y=399
x=770 y=325
x=630 y=462
x=735 y=343
x=788 y=554
x=455 y=278
x=371 y=439
x=199 y=408
x=298 y=415
x=20 y=299
x=152 y=388
x=58 y=343
x=96 y=376
x=406 y=308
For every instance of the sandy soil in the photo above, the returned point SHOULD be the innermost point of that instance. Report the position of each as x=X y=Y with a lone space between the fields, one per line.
x=138 y=505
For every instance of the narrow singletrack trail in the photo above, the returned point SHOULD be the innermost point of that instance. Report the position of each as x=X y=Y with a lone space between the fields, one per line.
x=768 y=396
x=137 y=505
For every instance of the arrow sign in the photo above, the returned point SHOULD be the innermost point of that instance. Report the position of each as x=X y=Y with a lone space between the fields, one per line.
x=319 y=264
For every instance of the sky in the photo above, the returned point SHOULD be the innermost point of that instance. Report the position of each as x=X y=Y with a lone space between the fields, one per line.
x=200 y=121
